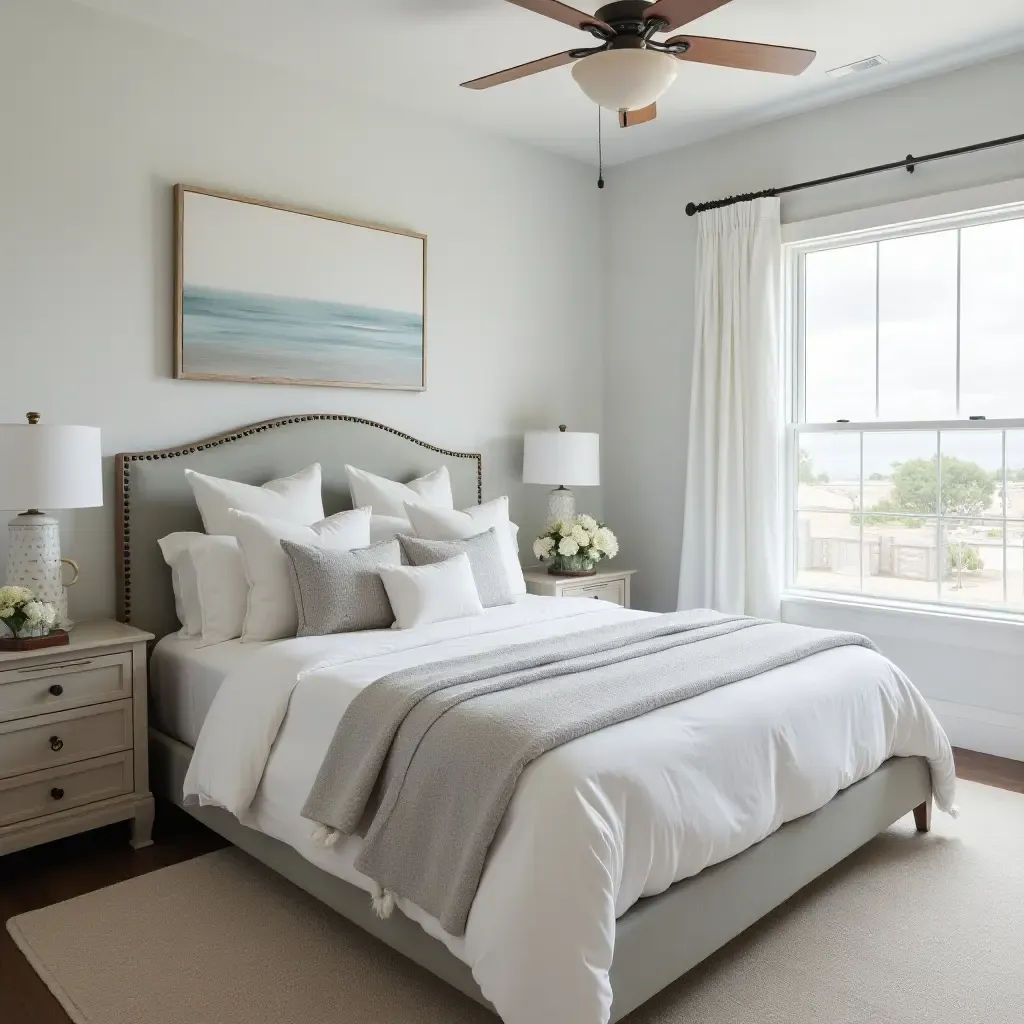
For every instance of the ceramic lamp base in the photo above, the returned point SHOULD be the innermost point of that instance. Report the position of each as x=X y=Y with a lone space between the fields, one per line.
x=561 y=505
x=33 y=559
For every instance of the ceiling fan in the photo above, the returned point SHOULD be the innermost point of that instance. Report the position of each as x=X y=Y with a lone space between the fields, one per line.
x=630 y=69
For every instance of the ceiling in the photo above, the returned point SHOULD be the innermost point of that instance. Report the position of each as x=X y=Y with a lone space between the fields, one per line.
x=414 y=53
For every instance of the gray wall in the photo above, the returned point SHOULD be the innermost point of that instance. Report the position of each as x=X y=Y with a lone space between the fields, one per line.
x=650 y=328
x=100 y=117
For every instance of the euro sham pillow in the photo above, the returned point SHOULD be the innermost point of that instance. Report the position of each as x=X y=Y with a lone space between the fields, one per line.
x=340 y=591
x=447 y=524
x=422 y=594
x=486 y=560
x=214 y=587
x=295 y=498
x=388 y=497
x=388 y=527
x=271 y=612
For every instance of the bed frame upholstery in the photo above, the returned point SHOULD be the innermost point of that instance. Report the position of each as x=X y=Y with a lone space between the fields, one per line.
x=661 y=937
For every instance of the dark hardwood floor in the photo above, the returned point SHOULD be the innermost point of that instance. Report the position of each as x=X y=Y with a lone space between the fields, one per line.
x=1000 y=772
x=58 y=871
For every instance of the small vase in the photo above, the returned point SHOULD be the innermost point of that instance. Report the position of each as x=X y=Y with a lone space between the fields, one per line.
x=572 y=565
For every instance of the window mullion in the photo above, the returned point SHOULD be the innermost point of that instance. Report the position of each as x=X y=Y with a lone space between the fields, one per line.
x=959 y=299
x=1005 y=499
x=878 y=329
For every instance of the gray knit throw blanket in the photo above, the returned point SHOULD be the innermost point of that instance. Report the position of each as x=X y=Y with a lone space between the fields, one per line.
x=430 y=755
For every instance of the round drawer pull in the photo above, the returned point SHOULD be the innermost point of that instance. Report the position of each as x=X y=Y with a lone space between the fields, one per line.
x=56 y=743
x=57 y=793
x=56 y=689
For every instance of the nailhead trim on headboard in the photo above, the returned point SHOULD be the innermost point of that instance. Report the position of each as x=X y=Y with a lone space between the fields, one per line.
x=122 y=483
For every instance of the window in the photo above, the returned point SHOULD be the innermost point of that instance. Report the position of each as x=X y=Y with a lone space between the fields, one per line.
x=906 y=437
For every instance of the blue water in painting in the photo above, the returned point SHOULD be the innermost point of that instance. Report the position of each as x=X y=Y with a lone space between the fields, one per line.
x=244 y=334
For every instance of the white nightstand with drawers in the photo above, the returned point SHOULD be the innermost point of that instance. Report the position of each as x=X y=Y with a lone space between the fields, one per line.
x=73 y=737
x=607 y=585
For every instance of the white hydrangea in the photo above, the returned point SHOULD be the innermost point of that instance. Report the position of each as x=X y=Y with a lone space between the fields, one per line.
x=38 y=613
x=606 y=542
x=589 y=523
x=564 y=528
x=556 y=526
x=15 y=595
x=12 y=598
x=581 y=536
x=543 y=546
x=567 y=546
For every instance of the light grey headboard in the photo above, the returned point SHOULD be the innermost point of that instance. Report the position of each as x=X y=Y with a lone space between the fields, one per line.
x=153 y=497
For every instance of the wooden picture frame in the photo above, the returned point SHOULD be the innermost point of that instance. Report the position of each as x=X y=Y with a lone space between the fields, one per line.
x=273 y=294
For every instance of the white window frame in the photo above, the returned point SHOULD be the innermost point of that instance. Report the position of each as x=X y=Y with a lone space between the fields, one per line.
x=972 y=207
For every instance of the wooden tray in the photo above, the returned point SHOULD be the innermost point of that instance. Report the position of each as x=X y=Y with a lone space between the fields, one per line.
x=55 y=638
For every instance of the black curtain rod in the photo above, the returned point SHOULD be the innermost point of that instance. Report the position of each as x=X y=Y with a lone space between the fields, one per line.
x=910 y=163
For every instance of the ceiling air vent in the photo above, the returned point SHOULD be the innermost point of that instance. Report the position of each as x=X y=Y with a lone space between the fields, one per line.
x=857 y=66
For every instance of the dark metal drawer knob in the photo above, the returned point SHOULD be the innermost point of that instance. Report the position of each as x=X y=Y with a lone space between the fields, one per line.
x=56 y=743
x=57 y=793
x=56 y=689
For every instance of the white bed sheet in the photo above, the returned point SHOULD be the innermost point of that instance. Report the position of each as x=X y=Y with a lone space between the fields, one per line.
x=594 y=825
x=185 y=677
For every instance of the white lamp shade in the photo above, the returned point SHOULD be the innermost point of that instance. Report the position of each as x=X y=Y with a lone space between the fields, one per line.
x=49 y=467
x=625 y=79
x=557 y=457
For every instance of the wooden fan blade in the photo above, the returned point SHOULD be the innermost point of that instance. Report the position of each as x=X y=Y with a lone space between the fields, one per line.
x=681 y=12
x=565 y=14
x=556 y=60
x=628 y=118
x=732 y=53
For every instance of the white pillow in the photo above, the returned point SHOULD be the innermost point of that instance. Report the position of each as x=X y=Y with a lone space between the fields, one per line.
x=271 y=612
x=295 y=498
x=446 y=524
x=388 y=497
x=385 y=527
x=421 y=594
x=174 y=548
x=214 y=589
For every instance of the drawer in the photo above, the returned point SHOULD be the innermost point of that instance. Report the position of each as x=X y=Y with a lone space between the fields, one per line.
x=57 y=789
x=32 y=744
x=601 y=590
x=35 y=689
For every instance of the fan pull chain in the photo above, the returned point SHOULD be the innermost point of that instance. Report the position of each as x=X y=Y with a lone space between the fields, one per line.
x=600 y=155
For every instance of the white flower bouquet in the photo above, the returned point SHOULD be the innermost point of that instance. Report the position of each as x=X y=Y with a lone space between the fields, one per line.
x=575 y=546
x=23 y=614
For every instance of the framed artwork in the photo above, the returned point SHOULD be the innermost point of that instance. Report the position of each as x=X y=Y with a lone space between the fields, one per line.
x=276 y=295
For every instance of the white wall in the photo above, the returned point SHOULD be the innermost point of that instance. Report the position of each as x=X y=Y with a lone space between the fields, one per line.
x=650 y=250
x=99 y=118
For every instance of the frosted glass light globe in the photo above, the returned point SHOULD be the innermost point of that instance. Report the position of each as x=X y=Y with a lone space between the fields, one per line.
x=625 y=79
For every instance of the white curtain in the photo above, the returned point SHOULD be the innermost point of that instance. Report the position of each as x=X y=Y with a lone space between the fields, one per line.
x=732 y=549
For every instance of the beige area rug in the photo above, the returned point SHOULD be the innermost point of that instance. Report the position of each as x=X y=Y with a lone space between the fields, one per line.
x=910 y=929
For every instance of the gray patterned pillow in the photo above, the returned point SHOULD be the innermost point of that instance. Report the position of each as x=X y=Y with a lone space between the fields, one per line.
x=485 y=559
x=340 y=591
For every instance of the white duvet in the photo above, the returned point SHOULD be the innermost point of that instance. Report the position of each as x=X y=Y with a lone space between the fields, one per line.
x=594 y=825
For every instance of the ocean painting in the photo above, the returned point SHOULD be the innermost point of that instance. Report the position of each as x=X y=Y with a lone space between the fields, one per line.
x=274 y=295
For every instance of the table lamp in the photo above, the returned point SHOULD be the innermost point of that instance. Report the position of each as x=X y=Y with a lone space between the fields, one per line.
x=561 y=457
x=45 y=467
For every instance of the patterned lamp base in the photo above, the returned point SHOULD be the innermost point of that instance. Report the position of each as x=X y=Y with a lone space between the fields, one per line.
x=33 y=559
x=561 y=505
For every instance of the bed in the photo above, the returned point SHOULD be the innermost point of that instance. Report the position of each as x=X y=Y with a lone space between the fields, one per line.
x=655 y=927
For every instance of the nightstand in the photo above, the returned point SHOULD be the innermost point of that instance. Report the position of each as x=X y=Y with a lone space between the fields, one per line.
x=73 y=737
x=608 y=585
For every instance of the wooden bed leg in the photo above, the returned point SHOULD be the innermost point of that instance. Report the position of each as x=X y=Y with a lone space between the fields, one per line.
x=923 y=816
